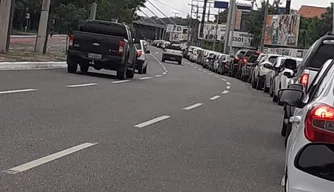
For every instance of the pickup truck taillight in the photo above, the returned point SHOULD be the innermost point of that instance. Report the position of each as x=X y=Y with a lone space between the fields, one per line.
x=139 y=53
x=304 y=78
x=71 y=39
x=121 y=46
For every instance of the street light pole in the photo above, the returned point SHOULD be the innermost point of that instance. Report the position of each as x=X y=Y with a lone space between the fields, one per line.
x=190 y=23
x=264 y=26
x=233 y=18
x=5 y=7
x=42 y=27
x=216 y=33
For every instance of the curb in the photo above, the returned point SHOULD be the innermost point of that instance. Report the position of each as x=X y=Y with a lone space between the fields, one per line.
x=31 y=65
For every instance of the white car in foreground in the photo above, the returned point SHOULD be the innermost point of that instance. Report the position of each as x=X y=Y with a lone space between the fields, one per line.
x=309 y=162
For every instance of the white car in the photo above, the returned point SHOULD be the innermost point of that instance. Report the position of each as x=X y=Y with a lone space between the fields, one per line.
x=165 y=44
x=288 y=69
x=194 y=55
x=309 y=161
x=274 y=72
x=261 y=71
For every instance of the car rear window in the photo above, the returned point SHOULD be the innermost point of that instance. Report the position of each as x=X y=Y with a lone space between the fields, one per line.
x=106 y=28
x=272 y=59
x=325 y=52
x=249 y=53
x=174 y=47
x=138 y=47
x=253 y=58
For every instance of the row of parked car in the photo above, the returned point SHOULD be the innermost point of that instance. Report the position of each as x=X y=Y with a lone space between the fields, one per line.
x=305 y=89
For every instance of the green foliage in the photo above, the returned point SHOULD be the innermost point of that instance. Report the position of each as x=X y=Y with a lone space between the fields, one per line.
x=68 y=13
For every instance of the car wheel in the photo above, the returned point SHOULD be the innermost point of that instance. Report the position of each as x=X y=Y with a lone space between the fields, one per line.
x=259 y=83
x=121 y=74
x=145 y=70
x=275 y=98
x=130 y=73
x=140 y=68
x=84 y=68
x=253 y=83
x=72 y=65
x=288 y=131
x=180 y=62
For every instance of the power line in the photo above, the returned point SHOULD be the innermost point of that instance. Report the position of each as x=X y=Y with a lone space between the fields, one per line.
x=170 y=6
x=161 y=12
x=156 y=15
x=147 y=17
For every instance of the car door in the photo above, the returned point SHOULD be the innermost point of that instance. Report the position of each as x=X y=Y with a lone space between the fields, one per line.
x=132 y=49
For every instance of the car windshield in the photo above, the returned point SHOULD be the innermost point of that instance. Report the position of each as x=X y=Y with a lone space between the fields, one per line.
x=272 y=59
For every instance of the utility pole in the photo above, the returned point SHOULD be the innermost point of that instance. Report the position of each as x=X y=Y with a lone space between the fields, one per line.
x=42 y=27
x=227 y=28
x=264 y=25
x=5 y=7
x=190 y=23
x=209 y=11
x=216 y=38
x=203 y=19
x=93 y=8
x=287 y=6
x=233 y=18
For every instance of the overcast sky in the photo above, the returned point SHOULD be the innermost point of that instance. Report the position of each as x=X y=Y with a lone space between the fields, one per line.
x=181 y=7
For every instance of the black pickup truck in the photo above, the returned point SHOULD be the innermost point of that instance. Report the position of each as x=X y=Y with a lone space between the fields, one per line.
x=102 y=45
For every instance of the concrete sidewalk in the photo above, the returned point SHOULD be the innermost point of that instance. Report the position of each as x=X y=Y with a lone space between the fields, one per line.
x=31 y=65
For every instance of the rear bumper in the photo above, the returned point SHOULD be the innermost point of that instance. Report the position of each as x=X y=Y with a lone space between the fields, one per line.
x=171 y=57
x=106 y=61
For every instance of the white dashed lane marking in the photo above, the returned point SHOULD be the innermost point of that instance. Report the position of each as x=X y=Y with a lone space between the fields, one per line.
x=214 y=97
x=228 y=83
x=158 y=75
x=122 y=81
x=81 y=85
x=17 y=91
x=228 y=87
x=144 y=78
x=192 y=106
x=152 y=121
x=49 y=158
x=225 y=92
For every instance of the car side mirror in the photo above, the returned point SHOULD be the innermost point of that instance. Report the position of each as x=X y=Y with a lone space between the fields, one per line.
x=148 y=51
x=291 y=97
x=287 y=74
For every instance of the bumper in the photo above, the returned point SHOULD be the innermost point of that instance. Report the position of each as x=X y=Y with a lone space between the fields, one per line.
x=172 y=57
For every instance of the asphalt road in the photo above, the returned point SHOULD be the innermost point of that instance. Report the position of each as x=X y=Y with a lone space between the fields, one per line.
x=178 y=128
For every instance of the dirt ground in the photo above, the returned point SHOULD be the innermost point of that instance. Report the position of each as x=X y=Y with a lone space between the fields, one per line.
x=24 y=55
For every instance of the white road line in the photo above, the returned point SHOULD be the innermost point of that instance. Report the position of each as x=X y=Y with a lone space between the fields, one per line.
x=228 y=87
x=191 y=65
x=200 y=69
x=216 y=76
x=195 y=67
x=157 y=52
x=224 y=79
x=214 y=97
x=81 y=85
x=150 y=122
x=228 y=83
x=164 y=73
x=225 y=92
x=192 y=106
x=144 y=78
x=158 y=75
x=122 y=81
x=17 y=91
x=205 y=71
x=48 y=158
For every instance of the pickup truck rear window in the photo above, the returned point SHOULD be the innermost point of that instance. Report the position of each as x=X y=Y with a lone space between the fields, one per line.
x=249 y=53
x=106 y=28
x=324 y=53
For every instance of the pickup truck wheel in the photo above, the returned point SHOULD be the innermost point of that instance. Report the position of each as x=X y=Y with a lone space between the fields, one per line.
x=84 y=68
x=120 y=74
x=145 y=70
x=72 y=65
x=130 y=73
x=180 y=62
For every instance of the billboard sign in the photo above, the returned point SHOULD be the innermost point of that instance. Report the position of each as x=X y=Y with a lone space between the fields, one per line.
x=177 y=32
x=241 y=39
x=221 y=4
x=209 y=32
x=282 y=30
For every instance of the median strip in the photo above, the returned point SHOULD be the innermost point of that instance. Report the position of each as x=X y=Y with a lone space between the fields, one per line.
x=152 y=121
x=49 y=158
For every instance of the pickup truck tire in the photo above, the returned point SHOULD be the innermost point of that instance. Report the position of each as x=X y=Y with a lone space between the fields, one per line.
x=121 y=74
x=145 y=70
x=130 y=73
x=84 y=68
x=180 y=62
x=72 y=65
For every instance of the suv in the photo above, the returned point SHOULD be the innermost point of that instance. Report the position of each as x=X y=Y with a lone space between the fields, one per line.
x=243 y=61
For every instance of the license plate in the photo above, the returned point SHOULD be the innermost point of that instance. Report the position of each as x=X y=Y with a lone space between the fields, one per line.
x=94 y=56
x=172 y=58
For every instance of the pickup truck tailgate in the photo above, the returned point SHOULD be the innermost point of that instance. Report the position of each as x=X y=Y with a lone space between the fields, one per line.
x=96 y=43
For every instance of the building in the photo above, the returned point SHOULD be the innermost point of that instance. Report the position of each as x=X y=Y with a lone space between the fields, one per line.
x=311 y=11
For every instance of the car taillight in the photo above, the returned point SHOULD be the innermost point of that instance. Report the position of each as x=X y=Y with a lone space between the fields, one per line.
x=319 y=124
x=245 y=60
x=71 y=39
x=139 y=53
x=121 y=46
x=237 y=58
x=304 y=79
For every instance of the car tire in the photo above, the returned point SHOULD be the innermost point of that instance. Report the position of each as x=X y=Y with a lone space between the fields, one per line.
x=84 y=68
x=145 y=70
x=253 y=83
x=121 y=74
x=179 y=62
x=140 y=68
x=130 y=74
x=275 y=98
x=259 y=83
x=72 y=65
x=266 y=89
x=288 y=131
